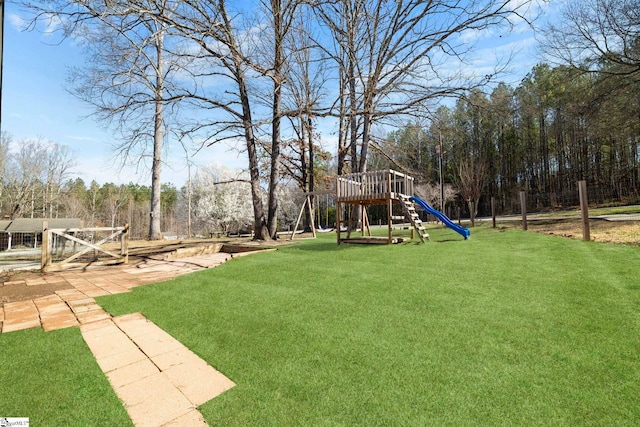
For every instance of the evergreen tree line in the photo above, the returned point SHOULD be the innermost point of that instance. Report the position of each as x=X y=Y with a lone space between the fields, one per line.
x=557 y=127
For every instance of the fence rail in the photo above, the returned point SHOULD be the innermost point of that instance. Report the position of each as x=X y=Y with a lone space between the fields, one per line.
x=384 y=184
x=94 y=253
x=20 y=253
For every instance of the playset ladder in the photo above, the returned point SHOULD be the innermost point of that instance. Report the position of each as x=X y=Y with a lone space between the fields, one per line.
x=410 y=212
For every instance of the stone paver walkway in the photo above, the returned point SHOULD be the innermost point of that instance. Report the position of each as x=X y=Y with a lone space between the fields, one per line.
x=160 y=382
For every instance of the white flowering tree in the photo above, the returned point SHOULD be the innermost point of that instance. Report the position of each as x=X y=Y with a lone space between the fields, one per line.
x=222 y=200
x=289 y=202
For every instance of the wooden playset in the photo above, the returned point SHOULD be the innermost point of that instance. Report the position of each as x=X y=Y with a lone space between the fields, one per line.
x=385 y=187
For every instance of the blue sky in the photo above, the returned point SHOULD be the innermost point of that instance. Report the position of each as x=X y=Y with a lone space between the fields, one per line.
x=35 y=103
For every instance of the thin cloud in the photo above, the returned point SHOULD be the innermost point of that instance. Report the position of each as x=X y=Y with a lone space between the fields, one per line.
x=17 y=22
x=80 y=138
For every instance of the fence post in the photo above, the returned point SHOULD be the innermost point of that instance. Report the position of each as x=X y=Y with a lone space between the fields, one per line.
x=45 y=259
x=523 y=208
x=584 y=207
x=124 y=249
x=493 y=211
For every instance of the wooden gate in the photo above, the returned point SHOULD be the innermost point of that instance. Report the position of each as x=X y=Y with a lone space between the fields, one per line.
x=92 y=254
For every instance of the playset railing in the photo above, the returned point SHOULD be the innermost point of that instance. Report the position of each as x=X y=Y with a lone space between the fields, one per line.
x=375 y=185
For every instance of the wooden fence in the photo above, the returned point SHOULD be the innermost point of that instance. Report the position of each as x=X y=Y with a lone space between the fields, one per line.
x=93 y=253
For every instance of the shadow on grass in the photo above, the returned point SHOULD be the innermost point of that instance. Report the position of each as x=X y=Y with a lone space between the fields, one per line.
x=447 y=240
x=320 y=246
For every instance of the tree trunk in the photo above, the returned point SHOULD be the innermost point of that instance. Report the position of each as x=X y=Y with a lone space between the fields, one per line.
x=364 y=151
x=342 y=131
x=154 y=222
x=260 y=223
x=353 y=121
x=311 y=175
x=274 y=175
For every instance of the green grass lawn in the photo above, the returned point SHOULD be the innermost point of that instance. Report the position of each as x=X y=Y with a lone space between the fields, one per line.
x=53 y=379
x=507 y=328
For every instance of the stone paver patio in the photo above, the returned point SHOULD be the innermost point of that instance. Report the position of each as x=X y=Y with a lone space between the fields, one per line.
x=159 y=381
x=58 y=311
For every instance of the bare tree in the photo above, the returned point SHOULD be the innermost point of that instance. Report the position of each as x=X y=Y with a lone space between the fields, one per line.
x=32 y=176
x=128 y=81
x=433 y=194
x=58 y=164
x=396 y=55
x=5 y=141
x=589 y=35
x=472 y=177
x=281 y=14
x=343 y=20
x=223 y=47
x=306 y=79
x=219 y=51
x=114 y=198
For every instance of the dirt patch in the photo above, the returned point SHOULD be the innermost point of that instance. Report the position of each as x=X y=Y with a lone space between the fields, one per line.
x=17 y=290
x=603 y=231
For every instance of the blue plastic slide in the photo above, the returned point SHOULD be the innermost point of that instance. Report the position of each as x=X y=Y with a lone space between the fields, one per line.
x=464 y=232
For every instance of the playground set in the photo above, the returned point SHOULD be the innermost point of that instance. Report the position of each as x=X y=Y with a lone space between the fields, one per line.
x=356 y=192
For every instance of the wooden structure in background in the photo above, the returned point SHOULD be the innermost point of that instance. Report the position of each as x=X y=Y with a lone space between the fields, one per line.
x=310 y=210
x=385 y=187
x=26 y=233
x=87 y=256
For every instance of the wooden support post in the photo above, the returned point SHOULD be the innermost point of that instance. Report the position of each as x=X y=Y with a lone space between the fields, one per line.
x=493 y=211
x=390 y=220
x=365 y=221
x=312 y=216
x=523 y=209
x=45 y=258
x=293 y=233
x=584 y=207
x=124 y=244
x=64 y=246
x=338 y=219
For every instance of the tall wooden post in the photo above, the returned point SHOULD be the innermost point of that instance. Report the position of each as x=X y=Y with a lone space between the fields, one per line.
x=312 y=214
x=45 y=258
x=124 y=244
x=584 y=207
x=389 y=210
x=523 y=208
x=338 y=216
x=493 y=211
